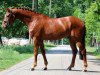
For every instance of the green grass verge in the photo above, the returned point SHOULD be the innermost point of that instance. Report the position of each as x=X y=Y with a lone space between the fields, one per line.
x=10 y=55
x=93 y=51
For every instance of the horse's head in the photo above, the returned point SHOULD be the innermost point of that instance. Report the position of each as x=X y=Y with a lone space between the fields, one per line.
x=8 y=19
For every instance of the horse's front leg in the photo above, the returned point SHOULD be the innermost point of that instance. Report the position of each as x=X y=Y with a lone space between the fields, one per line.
x=36 y=46
x=43 y=54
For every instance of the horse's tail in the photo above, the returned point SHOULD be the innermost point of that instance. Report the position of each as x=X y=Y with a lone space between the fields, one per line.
x=83 y=42
x=84 y=34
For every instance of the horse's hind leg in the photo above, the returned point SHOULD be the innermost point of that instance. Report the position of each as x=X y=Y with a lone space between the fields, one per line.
x=43 y=54
x=74 y=52
x=82 y=49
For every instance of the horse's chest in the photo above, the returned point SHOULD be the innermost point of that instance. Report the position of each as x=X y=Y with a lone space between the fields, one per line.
x=34 y=30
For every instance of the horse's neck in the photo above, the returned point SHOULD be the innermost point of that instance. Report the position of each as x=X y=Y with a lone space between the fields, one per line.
x=25 y=18
x=29 y=18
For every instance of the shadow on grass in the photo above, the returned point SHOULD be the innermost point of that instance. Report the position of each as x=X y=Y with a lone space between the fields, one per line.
x=29 y=49
x=17 y=48
x=24 y=49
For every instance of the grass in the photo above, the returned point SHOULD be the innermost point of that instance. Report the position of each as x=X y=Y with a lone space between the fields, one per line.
x=94 y=51
x=48 y=46
x=11 y=55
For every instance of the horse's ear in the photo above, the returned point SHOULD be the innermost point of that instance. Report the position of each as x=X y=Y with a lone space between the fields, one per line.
x=7 y=9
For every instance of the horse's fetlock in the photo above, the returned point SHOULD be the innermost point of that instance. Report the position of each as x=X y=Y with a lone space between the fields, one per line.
x=46 y=63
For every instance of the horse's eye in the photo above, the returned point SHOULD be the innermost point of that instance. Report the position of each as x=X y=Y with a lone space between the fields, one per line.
x=7 y=15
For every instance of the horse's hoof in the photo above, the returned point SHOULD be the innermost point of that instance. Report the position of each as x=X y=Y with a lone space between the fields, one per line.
x=84 y=70
x=32 y=69
x=69 y=69
x=45 y=68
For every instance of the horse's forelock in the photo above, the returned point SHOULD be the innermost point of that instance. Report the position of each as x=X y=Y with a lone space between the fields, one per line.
x=8 y=10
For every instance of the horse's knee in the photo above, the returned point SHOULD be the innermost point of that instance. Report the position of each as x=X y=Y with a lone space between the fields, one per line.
x=35 y=54
x=43 y=51
x=75 y=51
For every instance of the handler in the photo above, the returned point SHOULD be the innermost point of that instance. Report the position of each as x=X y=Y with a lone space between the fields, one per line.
x=1 y=39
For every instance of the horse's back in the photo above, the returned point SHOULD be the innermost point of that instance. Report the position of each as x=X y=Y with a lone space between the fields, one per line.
x=56 y=28
x=76 y=26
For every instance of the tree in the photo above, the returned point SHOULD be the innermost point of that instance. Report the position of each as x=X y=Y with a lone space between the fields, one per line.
x=92 y=20
x=18 y=27
x=87 y=10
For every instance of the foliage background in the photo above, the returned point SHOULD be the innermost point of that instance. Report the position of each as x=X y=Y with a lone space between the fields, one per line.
x=87 y=10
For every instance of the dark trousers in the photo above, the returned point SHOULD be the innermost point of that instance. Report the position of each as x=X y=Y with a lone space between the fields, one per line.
x=1 y=40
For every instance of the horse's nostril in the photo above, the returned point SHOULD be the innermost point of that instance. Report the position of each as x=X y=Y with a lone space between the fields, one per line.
x=5 y=21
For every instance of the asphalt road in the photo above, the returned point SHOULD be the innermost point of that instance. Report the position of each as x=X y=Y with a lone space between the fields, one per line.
x=59 y=59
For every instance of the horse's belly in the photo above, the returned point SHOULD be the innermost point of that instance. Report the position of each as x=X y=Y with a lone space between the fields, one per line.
x=55 y=36
x=56 y=32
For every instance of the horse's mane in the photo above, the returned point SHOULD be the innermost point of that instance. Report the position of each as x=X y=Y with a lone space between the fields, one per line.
x=24 y=8
x=28 y=9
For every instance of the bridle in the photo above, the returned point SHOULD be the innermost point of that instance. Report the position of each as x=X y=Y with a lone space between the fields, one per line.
x=9 y=18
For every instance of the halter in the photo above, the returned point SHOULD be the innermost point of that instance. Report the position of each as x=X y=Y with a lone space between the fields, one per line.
x=9 y=18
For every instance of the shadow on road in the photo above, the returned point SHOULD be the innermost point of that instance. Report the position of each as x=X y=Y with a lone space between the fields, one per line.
x=92 y=71
x=59 y=52
x=61 y=49
x=88 y=71
x=93 y=60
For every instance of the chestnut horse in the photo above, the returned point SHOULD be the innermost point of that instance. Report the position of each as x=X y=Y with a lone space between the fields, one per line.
x=42 y=27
